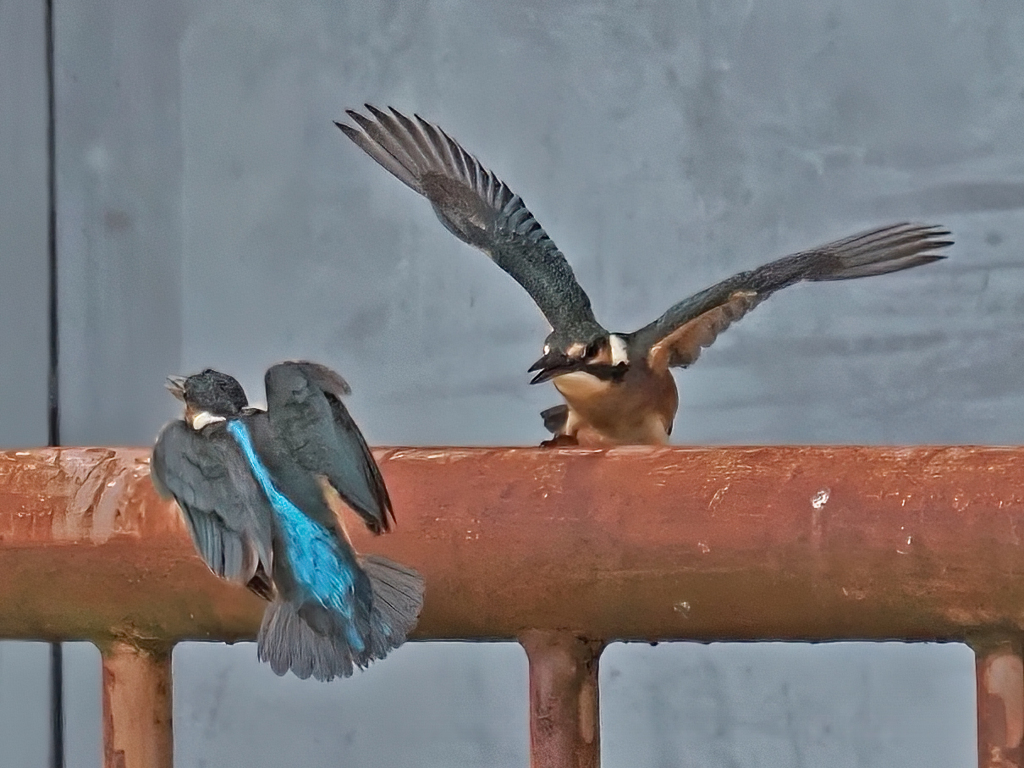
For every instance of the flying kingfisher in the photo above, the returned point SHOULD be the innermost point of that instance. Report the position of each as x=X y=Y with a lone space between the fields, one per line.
x=617 y=386
x=254 y=488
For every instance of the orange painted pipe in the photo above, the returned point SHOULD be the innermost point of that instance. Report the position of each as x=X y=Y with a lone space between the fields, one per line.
x=799 y=543
x=565 y=718
x=1000 y=682
x=137 y=708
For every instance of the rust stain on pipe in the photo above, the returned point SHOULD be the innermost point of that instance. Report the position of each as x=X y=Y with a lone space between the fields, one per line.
x=564 y=710
x=137 y=708
x=797 y=543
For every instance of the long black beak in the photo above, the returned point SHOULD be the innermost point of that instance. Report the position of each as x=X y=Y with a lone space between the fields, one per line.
x=176 y=386
x=554 y=363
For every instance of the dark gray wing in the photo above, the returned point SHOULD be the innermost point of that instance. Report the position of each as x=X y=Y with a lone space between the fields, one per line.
x=227 y=514
x=305 y=410
x=677 y=337
x=475 y=206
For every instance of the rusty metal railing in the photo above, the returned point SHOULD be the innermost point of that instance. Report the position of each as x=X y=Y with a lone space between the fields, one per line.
x=563 y=550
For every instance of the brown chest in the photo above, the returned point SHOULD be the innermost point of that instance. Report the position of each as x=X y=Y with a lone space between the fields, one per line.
x=638 y=409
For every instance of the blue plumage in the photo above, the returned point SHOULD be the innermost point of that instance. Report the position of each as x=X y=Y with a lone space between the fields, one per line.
x=312 y=553
x=249 y=483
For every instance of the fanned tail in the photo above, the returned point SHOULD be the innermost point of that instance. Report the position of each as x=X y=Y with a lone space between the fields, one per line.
x=397 y=601
x=288 y=641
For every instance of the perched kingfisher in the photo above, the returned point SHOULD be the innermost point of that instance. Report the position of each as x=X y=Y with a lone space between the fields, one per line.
x=253 y=487
x=617 y=386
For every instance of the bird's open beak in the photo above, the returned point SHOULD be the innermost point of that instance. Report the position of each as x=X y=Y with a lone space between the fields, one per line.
x=554 y=363
x=176 y=386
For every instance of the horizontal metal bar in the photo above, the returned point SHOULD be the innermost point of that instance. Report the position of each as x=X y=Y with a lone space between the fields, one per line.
x=799 y=543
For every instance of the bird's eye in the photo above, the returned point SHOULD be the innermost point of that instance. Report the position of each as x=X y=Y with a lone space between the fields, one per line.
x=593 y=350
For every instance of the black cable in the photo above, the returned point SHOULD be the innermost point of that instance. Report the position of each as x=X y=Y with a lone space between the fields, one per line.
x=56 y=705
x=53 y=385
x=53 y=380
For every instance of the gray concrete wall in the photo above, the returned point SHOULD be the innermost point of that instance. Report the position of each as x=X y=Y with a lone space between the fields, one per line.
x=24 y=667
x=210 y=214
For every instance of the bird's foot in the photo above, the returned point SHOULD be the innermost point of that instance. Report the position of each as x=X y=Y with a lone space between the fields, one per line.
x=560 y=441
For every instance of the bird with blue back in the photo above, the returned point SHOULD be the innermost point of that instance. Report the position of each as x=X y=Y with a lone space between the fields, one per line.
x=255 y=489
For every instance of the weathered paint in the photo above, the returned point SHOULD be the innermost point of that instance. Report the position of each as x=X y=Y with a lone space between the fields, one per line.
x=564 y=702
x=799 y=543
x=137 y=708
x=1000 y=678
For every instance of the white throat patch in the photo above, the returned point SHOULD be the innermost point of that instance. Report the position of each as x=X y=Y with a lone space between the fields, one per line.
x=203 y=418
x=618 y=347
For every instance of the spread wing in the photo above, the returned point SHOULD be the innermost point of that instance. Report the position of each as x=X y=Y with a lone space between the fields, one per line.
x=677 y=337
x=226 y=513
x=475 y=206
x=305 y=410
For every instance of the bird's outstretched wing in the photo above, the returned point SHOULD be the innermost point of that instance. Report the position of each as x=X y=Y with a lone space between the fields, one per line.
x=475 y=206
x=677 y=337
x=305 y=410
x=226 y=513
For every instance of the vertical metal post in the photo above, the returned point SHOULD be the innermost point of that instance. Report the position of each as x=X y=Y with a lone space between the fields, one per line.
x=564 y=716
x=1000 y=677
x=137 y=708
